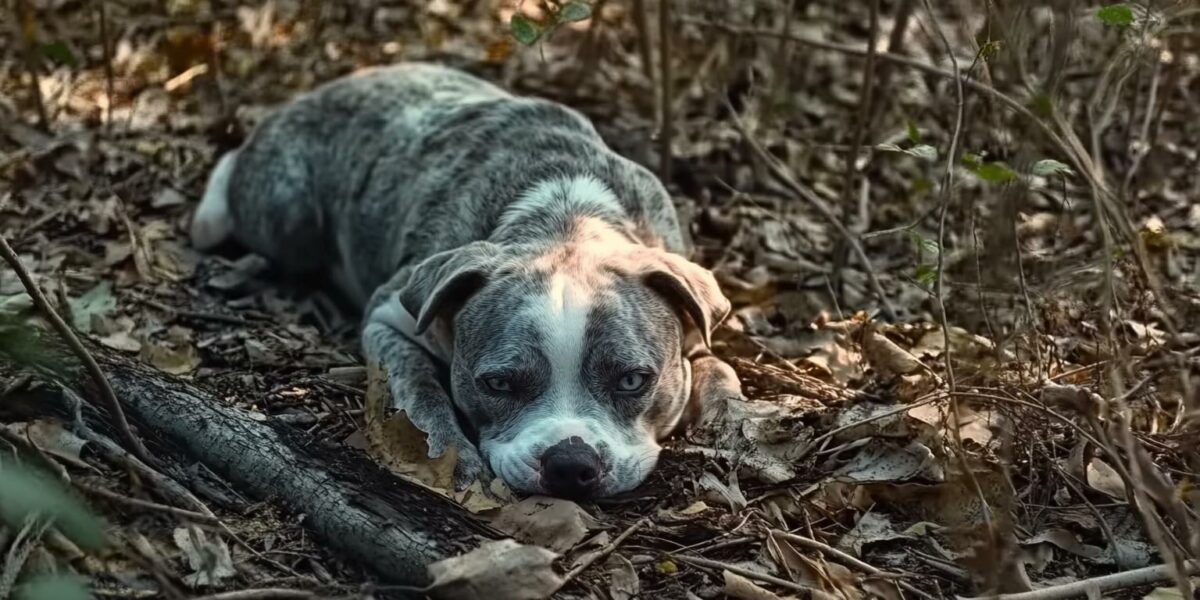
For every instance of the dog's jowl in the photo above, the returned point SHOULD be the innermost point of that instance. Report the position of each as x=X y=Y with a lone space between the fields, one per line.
x=495 y=239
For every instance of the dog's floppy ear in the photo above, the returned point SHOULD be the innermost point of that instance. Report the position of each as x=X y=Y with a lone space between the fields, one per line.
x=689 y=287
x=441 y=283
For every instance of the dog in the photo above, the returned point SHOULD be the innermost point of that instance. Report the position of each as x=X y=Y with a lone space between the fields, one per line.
x=525 y=287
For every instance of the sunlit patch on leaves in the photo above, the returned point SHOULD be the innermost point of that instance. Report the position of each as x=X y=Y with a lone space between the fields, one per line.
x=25 y=493
x=1116 y=15
x=996 y=172
x=1049 y=166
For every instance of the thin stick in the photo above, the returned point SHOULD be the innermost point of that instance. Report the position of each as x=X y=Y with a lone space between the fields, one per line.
x=1116 y=581
x=947 y=197
x=819 y=204
x=261 y=594
x=747 y=573
x=667 y=131
x=106 y=392
x=605 y=551
x=179 y=512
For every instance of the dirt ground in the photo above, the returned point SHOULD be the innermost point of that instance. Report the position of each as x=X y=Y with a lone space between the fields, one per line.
x=1018 y=410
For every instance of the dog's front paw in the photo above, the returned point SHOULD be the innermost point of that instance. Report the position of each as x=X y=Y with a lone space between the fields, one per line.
x=470 y=465
x=470 y=468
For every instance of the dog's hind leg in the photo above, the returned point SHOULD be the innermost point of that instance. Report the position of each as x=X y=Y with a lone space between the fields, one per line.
x=212 y=223
x=413 y=382
x=265 y=196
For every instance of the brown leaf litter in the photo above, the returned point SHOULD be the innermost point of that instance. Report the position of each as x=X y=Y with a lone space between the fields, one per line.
x=854 y=468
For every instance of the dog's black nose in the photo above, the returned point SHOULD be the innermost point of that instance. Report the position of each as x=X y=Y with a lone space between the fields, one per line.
x=571 y=469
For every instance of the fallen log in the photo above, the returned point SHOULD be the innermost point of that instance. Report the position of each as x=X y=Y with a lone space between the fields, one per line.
x=393 y=526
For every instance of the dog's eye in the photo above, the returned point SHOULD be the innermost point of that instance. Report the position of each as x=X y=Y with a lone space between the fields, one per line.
x=498 y=384
x=632 y=382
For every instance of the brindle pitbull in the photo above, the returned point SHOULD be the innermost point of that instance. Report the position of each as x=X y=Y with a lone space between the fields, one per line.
x=523 y=285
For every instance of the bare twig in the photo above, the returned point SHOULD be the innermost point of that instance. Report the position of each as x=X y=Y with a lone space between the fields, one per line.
x=18 y=553
x=747 y=573
x=603 y=552
x=144 y=504
x=261 y=594
x=105 y=389
x=821 y=207
x=947 y=194
x=667 y=129
x=1116 y=581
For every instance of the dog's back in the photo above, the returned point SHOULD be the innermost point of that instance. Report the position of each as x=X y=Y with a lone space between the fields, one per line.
x=375 y=171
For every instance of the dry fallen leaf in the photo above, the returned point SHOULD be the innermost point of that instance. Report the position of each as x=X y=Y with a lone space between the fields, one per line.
x=1105 y=479
x=208 y=558
x=888 y=357
x=176 y=361
x=397 y=443
x=623 y=581
x=742 y=588
x=51 y=437
x=552 y=523
x=500 y=570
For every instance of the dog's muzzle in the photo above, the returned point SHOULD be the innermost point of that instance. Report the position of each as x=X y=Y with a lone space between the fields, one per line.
x=571 y=468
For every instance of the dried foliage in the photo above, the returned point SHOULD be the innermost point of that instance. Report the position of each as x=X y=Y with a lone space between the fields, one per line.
x=1040 y=431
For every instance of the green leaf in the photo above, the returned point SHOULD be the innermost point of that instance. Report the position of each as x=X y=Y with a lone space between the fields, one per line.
x=1116 y=15
x=972 y=160
x=996 y=172
x=524 y=30
x=924 y=152
x=930 y=245
x=1049 y=166
x=24 y=492
x=914 y=134
x=53 y=587
x=97 y=301
x=59 y=53
x=574 y=11
x=927 y=274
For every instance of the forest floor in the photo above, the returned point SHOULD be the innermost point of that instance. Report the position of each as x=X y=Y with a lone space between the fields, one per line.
x=1052 y=439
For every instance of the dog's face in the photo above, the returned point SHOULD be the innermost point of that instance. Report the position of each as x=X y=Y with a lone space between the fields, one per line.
x=568 y=361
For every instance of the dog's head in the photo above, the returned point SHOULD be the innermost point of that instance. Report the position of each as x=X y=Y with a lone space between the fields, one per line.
x=568 y=360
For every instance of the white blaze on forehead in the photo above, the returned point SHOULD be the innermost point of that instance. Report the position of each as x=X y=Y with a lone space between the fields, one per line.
x=562 y=320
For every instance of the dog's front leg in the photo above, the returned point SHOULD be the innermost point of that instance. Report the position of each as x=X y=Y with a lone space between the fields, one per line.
x=413 y=381
x=713 y=383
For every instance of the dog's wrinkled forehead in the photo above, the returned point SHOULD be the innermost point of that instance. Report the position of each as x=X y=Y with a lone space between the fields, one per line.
x=542 y=314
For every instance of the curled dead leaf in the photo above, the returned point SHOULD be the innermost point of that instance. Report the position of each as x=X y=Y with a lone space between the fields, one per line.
x=399 y=445
x=499 y=570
